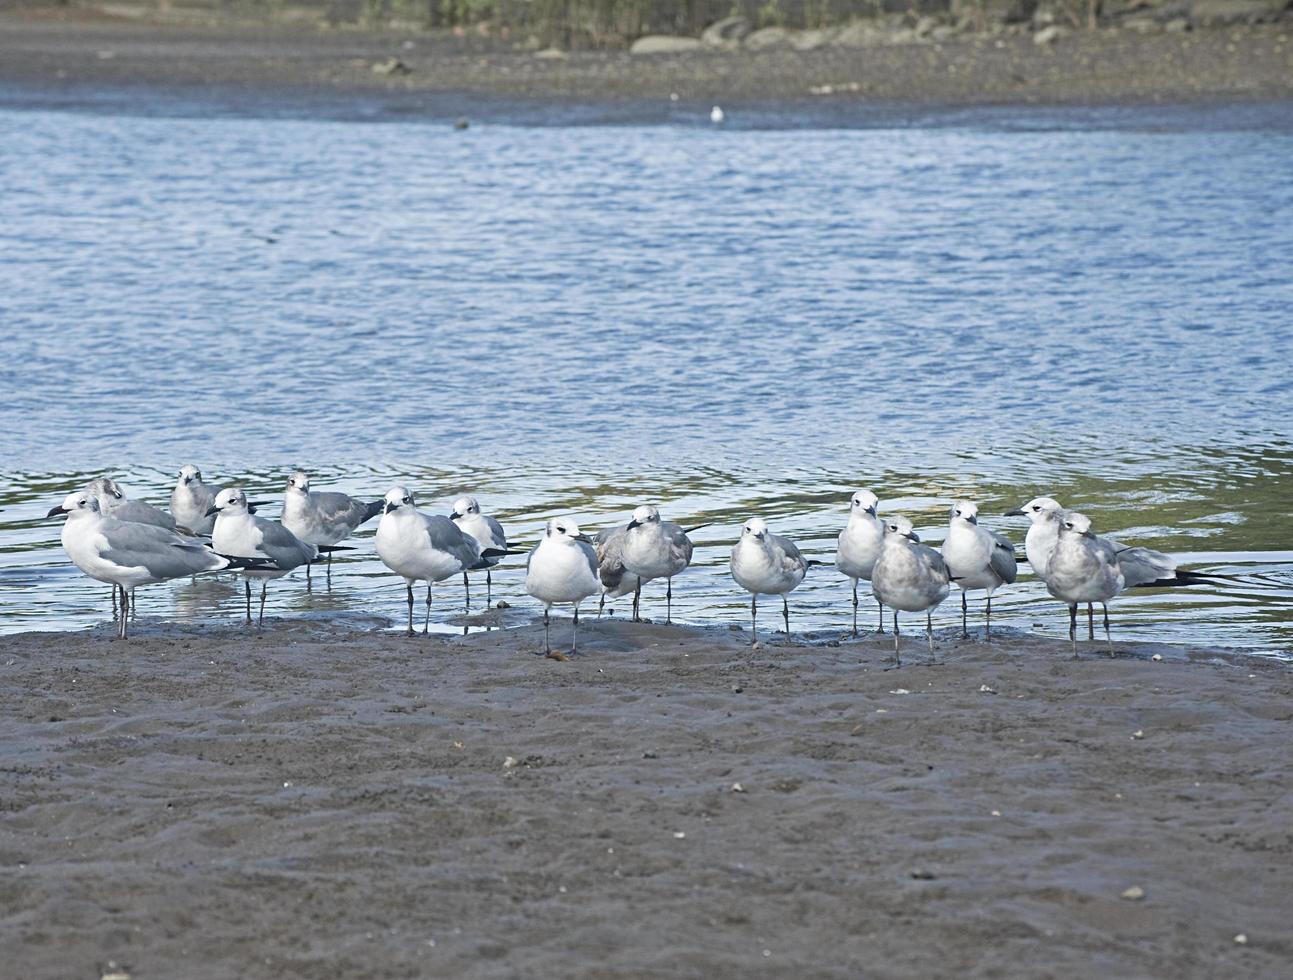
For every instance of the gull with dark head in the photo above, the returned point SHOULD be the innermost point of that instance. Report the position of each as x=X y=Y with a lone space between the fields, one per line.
x=765 y=564
x=423 y=547
x=561 y=569
x=1083 y=568
x=652 y=549
x=859 y=545
x=127 y=554
x=909 y=576
x=321 y=517
x=239 y=532
x=488 y=534
x=976 y=558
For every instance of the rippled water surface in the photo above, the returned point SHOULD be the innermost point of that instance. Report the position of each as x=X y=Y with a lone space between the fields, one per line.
x=728 y=322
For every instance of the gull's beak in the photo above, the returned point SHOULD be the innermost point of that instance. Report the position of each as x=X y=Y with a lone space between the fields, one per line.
x=871 y=510
x=914 y=536
x=584 y=538
x=213 y=509
x=633 y=524
x=455 y=516
x=388 y=507
x=54 y=512
x=1015 y=513
x=973 y=520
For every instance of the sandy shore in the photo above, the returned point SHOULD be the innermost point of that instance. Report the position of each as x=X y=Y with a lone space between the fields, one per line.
x=69 y=47
x=295 y=803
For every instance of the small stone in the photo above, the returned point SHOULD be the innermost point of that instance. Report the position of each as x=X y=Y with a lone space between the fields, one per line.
x=1048 y=35
x=462 y=123
x=551 y=54
x=735 y=628
x=1138 y=734
x=737 y=689
x=510 y=762
x=679 y=835
x=923 y=874
x=1156 y=657
x=984 y=689
x=114 y=971
x=1134 y=894
x=648 y=755
x=738 y=788
x=391 y=66
x=996 y=813
x=1241 y=939
x=502 y=603
x=900 y=690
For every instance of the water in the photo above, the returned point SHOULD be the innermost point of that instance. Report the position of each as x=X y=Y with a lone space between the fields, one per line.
x=571 y=318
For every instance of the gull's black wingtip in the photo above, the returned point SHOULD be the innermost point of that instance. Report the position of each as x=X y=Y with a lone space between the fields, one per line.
x=373 y=509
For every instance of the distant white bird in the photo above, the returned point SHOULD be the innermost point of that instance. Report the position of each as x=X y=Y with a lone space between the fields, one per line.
x=128 y=554
x=240 y=533
x=859 y=545
x=976 y=558
x=322 y=518
x=1083 y=568
x=488 y=533
x=422 y=547
x=717 y=115
x=615 y=579
x=562 y=568
x=191 y=499
x=765 y=564
x=909 y=576
x=652 y=549
x=114 y=503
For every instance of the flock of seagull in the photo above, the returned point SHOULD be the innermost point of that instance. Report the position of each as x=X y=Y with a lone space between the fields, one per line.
x=128 y=543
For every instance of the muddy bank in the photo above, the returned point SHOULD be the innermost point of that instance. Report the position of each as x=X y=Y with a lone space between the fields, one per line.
x=295 y=803
x=66 y=48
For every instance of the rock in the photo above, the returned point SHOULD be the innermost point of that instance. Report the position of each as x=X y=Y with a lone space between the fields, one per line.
x=925 y=26
x=858 y=34
x=726 y=33
x=551 y=54
x=768 y=37
x=510 y=762
x=1048 y=35
x=994 y=11
x=923 y=874
x=811 y=40
x=502 y=604
x=461 y=123
x=665 y=44
x=1177 y=25
x=1221 y=13
x=391 y=66
x=1134 y=894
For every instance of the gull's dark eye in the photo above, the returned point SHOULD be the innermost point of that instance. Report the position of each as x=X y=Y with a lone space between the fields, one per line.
x=560 y=529
x=405 y=501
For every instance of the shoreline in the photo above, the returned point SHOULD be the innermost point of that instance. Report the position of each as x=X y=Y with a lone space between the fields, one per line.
x=285 y=803
x=1210 y=66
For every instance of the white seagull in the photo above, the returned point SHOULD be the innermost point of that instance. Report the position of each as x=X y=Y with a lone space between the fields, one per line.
x=1083 y=568
x=322 y=518
x=240 y=533
x=765 y=564
x=652 y=548
x=488 y=533
x=859 y=545
x=562 y=568
x=127 y=554
x=191 y=499
x=909 y=576
x=423 y=547
x=976 y=558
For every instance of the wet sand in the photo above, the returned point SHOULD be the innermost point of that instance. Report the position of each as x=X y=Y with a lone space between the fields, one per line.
x=302 y=802
x=62 y=47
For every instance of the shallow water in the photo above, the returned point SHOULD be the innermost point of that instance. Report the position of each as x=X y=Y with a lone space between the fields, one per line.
x=577 y=318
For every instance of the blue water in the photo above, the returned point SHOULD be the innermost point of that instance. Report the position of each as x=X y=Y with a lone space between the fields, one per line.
x=564 y=318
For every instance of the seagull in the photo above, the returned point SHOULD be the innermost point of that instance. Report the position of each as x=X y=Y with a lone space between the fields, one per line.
x=717 y=115
x=1141 y=567
x=114 y=503
x=976 y=558
x=127 y=554
x=423 y=547
x=562 y=568
x=615 y=579
x=909 y=576
x=859 y=545
x=240 y=533
x=765 y=564
x=1083 y=568
x=488 y=534
x=322 y=518
x=191 y=499
x=654 y=549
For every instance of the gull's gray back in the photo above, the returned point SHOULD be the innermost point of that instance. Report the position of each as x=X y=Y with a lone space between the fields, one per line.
x=282 y=546
x=446 y=536
x=1003 y=562
x=163 y=553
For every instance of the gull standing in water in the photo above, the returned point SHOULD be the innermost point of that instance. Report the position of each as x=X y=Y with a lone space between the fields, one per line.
x=976 y=558
x=616 y=580
x=240 y=533
x=191 y=499
x=859 y=545
x=909 y=576
x=765 y=564
x=423 y=547
x=488 y=534
x=127 y=554
x=114 y=503
x=322 y=518
x=1083 y=568
x=562 y=568
x=654 y=549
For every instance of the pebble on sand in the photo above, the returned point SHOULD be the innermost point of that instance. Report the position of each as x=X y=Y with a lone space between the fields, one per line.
x=738 y=788
x=679 y=834
x=1138 y=734
x=510 y=762
x=1241 y=939
x=1156 y=657
x=1134 y=894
